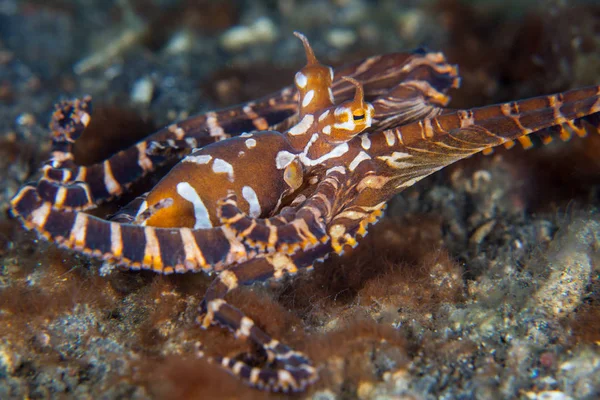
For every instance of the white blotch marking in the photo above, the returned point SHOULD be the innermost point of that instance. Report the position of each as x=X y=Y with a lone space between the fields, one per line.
x=301 y=80
x=254 y=375
x=81 y=174
x=397 y=155
x=331 y=99
x=283 y=159
x=327 y=130
x=213 y=124
x=61 y=195
x=390 y=138
x=246 y=325
x=85 y=119
x=237 y=367
x=394 y=160
x=152 y=249
x=246 y=134
x=250 y=143
x=339 y=111
x=337 y=231
x=111 y=184
x=249 y=111
x=186 y=191
x=66 y=175
x=337 y=151
x=203 y=159
x=177 y=131
x=365 y=142
x=308 y=97
x=331 y=73
x=373 y=182
x=302 y=126
x=116 y=239
x=229 y=279
x=351 y=214
x=250 y=196
x=281 y=263
x=339 y=168
x=223 y=167
x=143 y=160
x=79 y=230
x=193 y=254
x=286 y=379
x=324 y=115
x=313 y=139
x=360 y=157
x=241 y=153
x=348 y=125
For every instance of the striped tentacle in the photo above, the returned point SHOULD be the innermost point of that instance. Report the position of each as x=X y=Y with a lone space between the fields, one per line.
x=411 y=152
x=276 y=265
x=578 y=127
x=294 y=370
x=565 y=112
x=380 y=73
x=286 y=369
x=408 y=101
x=108 y=179
x=172 y=148
x=421 y=94
x=292 y=230
x=421 y=80
x=68 y=122
x=163 y=250
x=351 y=224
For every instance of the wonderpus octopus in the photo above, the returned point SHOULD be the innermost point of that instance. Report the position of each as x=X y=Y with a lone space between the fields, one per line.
x=276 y=185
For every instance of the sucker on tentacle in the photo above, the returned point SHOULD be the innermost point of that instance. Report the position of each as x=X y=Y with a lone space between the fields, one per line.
x=314 y=173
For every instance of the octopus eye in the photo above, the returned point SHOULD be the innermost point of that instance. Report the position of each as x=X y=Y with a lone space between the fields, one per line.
x=359 y=117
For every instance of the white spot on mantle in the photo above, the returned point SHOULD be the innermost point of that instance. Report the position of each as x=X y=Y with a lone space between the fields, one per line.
x=308 y=97
x=223 y=167
x=203 y=159
x=250 y=196
x=185 y=190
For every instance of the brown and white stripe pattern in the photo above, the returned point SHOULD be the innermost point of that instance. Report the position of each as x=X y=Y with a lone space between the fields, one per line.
x=302 y=229
x=164 y=250
x=406 y=154
x=330 y=213
x=287 y=370
x=377 y=74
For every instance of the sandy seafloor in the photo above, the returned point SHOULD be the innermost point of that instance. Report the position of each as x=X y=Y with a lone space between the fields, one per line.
x=481 y=282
